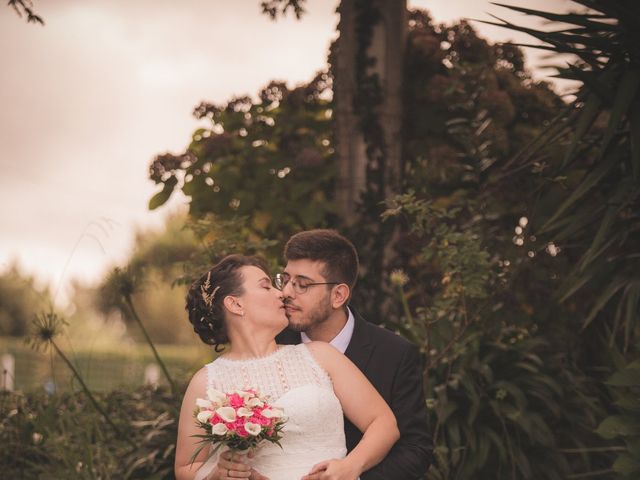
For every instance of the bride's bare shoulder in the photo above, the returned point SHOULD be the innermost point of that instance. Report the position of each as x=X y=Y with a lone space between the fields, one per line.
x=321 y=347
x=199 y=379
x=324 y=352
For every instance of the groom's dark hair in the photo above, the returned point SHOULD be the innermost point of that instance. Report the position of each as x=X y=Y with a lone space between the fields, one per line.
x=338 y=254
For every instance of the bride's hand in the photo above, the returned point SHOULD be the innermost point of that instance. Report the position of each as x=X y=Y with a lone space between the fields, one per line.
x=333 y=470
x=232 y=466
x=255 y=475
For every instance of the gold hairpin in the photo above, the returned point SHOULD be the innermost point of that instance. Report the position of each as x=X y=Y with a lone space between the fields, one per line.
x=206 y=296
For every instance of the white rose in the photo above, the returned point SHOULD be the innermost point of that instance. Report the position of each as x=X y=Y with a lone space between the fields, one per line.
x=252 y=428
x=254 y=402
x=202 y=403
x=216 y=396
x=219 y=429
x=271 y=413
x=228 y=414
x=244 y=412
x=204 y=416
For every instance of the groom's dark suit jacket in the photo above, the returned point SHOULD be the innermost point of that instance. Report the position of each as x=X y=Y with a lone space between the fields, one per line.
x=393 y=366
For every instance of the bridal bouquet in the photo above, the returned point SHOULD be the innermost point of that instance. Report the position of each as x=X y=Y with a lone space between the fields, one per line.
x=239 y=420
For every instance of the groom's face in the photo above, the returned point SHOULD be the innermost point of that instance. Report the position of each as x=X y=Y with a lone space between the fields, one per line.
x=313 y=306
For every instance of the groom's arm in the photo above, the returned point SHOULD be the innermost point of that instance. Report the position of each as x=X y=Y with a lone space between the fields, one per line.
x=411 y=456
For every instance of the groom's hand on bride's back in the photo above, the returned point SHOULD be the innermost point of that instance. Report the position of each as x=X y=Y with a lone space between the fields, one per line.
x=333 y=470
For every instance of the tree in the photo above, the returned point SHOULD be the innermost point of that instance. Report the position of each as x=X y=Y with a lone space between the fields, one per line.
x=590 y=200
x=474 y=299
x=157 y=259
x=269 y=160
x=20 y=300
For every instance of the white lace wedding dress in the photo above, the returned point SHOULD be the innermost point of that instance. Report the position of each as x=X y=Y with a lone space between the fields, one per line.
x=294 y=382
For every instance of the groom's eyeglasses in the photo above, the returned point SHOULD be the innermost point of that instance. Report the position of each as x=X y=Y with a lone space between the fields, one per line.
x=299 y=286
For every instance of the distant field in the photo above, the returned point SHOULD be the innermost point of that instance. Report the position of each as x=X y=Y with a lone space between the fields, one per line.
x=102 y=369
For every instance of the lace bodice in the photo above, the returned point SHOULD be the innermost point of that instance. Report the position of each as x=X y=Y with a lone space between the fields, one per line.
x=294 y=382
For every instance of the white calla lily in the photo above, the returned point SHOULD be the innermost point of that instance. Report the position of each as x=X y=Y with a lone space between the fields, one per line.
x=244 y=412
x=202 y=403
x=228 y=414
x=219 y=429
x=254 y=402
x=272 y=413
x=252 y=428
x=216 y=396
x=204 y=416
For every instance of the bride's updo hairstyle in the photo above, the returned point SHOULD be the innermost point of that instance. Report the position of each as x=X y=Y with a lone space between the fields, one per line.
x=205 y=297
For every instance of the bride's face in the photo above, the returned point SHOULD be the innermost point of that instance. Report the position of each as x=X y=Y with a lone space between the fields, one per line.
x=261 y=302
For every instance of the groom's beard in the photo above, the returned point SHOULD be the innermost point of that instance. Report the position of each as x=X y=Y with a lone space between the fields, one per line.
x=299 y=323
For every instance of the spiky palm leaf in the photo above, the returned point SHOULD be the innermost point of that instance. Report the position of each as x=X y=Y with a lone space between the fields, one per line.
x=599 y=214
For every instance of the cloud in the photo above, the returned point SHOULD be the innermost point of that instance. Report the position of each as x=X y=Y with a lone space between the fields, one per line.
x=90 y=98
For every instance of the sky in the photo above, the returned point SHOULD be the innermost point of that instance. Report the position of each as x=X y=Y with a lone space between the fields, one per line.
x=89 y=99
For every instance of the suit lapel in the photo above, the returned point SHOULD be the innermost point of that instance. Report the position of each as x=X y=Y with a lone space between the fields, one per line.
x=360 y=347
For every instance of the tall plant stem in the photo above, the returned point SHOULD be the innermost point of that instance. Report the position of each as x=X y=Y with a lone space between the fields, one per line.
x=86 y=390
x=134 y=314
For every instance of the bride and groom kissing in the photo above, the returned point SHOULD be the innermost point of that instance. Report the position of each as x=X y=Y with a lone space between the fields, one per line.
x=352 y=391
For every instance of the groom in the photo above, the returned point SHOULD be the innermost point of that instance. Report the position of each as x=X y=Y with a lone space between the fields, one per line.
x=319 y=261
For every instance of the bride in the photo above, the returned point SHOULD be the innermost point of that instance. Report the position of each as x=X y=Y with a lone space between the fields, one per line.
x=313 y=383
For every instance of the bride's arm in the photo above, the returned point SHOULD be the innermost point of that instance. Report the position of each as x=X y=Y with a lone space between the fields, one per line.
x=186 y=444
x=362 y=405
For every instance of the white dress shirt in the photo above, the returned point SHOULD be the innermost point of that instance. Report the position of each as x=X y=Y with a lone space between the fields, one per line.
x=342 y=339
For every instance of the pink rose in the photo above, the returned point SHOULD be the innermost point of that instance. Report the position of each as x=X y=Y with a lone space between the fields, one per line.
x=236 y=401
x=260 y=420
x=241 y=431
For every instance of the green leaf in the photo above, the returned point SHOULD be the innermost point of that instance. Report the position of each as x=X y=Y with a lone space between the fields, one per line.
x=627 y=377
x=630 y=402
x=514 y=392
x=560 y=40
x=617 y=426
x=498 y=441
x=592 y=179
x=634 y=134
x=596 y=82
x=588 y=114
x=572 y=284
x=568 y=225
x=570 y=18
x=634 y=447
x=624 y=96
x=596 y=245
x=632 y=310
x=604 y=298
x=161 y=197
x=588 y=56
x=625 y=464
